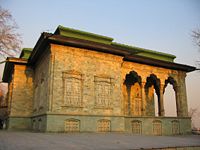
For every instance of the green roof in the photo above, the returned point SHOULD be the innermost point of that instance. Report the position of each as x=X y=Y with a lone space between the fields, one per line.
x=146 y=52
x=69 y=32
x=26 y=52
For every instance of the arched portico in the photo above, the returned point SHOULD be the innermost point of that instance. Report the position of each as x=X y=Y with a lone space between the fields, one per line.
x=133 y=94
x=173 y=100
x=153 y=83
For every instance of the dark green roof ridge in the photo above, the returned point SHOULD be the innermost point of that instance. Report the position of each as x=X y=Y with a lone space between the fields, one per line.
x=27 y=49
x=70 y=32
x=146 y=52
x=26 y=52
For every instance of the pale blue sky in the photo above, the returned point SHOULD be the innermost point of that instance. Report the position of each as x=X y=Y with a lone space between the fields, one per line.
x=161 y=25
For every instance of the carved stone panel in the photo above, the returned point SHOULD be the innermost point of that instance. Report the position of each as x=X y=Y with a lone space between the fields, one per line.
x=72 y=125
x=175 y=127
x=136 y=127
x=136 y=100
x=72 y=87
x=157 y=127
x=103 y=92
x=103 y=125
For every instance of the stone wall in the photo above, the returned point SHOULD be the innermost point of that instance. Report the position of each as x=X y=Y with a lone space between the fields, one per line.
x=88 y=71
x=22 y=92
x=20 y=98
x=41 y=87
x=86 y=91
x=80 y=123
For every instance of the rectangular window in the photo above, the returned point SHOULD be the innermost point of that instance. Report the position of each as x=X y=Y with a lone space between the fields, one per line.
x=72 y=125
x=72 y=95
x=103 y=125
x=103 y=92
x=136 y=127
x=157 y=128
x=175 y=127
x=72 y=84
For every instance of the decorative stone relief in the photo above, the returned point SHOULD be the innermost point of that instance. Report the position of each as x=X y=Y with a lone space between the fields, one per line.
x=137 y=127
x=175 y=127
x=103 y=92
x=136 y=100
x=72 y=84
x=157 y=127
x=104 y=125
x=72 y=125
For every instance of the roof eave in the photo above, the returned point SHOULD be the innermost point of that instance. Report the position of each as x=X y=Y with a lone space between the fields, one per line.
x=47 y=38
x=9 y=67
x=42 y=42
x=160 y=63
x=87 y=44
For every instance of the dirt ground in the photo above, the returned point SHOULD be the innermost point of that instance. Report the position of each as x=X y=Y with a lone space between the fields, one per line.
x=10 y=140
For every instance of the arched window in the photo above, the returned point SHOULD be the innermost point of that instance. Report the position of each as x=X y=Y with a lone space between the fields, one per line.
x=133 y=95
x=72 y=125
x=136 y=127
x=157 y=127
x=152 y=89
x=170 y=97
x=103 y=125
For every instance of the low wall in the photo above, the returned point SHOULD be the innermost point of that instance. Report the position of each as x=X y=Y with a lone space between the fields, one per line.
x=18 y=123
x=159 y=125
x=135 y=125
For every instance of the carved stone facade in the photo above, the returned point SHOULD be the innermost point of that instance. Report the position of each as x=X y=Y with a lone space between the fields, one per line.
x=103 y=125
x=76 y=85
x=72 y=89
x=72 y=125
x=157 y=127
x=137 y=127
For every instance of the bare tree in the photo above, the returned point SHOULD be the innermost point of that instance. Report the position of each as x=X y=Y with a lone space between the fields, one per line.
x=10 y=40
x=194 y=114
x=196 y=38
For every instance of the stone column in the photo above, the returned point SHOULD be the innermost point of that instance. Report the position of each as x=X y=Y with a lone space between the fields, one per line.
x=178 y=101
x=143 y=98
x=129 y=99
x=161 y=102
x=183 y=95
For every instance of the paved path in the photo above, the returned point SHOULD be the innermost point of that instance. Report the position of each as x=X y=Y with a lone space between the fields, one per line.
x=89 y=141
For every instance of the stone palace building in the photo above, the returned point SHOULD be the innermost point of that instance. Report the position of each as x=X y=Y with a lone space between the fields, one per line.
x=75 y=81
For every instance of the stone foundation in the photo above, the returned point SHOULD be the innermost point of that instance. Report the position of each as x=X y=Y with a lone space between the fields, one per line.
x=134 y=125
x=18 y=123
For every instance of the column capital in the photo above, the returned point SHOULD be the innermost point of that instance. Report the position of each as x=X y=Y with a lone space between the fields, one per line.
x=144 y=78
x=162 y=86
x=143 y=84
x=182 y=74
